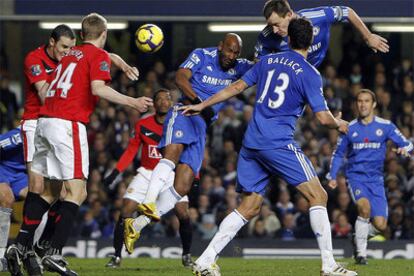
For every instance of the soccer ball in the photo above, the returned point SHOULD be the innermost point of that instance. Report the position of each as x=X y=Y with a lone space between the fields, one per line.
x=149 y=38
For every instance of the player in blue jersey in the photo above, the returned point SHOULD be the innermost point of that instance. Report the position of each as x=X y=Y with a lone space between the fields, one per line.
x=13 y=183
x=365 y=147
x=286 y=82
x=201 y=75
x=278 y=14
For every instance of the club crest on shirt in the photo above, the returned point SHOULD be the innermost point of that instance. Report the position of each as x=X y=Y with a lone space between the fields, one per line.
x=104 y=66
x=35 y=70
x=232 y=72
x=179 y=134
x=355 y=134
x=316 y=30
x=209 y=68
x=357 y=192
x=379 y=132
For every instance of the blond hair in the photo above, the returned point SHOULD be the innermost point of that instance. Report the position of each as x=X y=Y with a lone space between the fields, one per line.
x=93 y=25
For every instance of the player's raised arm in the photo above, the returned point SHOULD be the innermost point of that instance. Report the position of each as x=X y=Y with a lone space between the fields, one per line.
x=100 y=89
x=223 y=95
x=374 y=41
x=182 y=79
x=130 y=71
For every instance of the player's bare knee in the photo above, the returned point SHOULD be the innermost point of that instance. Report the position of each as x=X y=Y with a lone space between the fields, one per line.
x=6 y=196
x=36 y=183
x=128 y=208
x=181 y=210
x=364 y=208
x=380 y=224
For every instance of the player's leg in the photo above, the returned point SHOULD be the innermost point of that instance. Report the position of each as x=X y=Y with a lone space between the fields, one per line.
x=181 y=135
x=379 y=210
x=362 y=225
x=167 y=199
x=252 y=179
x=159 y=178
x=129 y=207
x=75 y=195
x=186 y=230
x=43 y=243
x=6 y=204
x=297 y=170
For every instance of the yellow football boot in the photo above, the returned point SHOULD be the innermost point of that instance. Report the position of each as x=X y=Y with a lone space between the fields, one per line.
x=130 y=235
x=150 y=210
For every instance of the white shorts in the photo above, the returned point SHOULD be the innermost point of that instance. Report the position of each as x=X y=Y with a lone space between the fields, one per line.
x=28 y=128
x=61 y=149
x=137 y=189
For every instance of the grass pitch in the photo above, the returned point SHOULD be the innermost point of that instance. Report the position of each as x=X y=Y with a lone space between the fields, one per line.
x=236 y=267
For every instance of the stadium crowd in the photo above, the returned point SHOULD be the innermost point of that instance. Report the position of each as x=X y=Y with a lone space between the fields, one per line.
x=285 y=212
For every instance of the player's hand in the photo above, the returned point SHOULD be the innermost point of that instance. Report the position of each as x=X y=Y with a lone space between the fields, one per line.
x=377 y=43
x=342 y=124
x=190 y=110
x=332 y=184
x=141 y=104
x=402 y=152
x=131 y=72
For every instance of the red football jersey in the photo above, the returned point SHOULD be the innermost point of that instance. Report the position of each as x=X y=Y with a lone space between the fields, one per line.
x=70 y=95
x=148 y=132
x=38 y=65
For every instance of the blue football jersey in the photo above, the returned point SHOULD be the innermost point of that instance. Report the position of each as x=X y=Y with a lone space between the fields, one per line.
x=11 y=150
x=322 y=18
x=208 y=77
x=286 y=82
x=365 y=146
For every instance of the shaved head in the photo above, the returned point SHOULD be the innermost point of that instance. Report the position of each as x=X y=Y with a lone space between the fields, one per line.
x=229 y=50
x=233 y=38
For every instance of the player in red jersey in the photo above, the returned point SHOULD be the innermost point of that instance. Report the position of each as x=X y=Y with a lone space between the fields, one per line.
x=148 y=132
x=38 y=65
x=61 y=144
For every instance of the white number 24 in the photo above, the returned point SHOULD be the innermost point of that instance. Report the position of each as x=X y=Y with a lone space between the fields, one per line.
x=279 y=90
x=64 y=81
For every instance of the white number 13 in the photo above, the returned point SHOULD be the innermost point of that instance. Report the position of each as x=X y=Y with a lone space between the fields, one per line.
x=279 y=90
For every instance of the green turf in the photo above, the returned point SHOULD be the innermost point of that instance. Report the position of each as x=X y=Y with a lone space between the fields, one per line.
x=236 y=266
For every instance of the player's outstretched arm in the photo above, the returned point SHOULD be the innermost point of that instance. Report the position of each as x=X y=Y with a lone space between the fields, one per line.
x=131 y=72
x=232 y=90
x=100 y=89
x=374 y=41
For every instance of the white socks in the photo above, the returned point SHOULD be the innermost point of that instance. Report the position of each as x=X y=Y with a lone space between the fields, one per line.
x=4 y=228
x=140 y=222
x=227 y=230
x=167 y=200
x=159 y=178
x=362 y=226
x=322 y=228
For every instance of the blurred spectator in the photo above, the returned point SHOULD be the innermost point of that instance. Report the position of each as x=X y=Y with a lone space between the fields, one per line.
x=269 y=220
x=208 y=227
x=341 y=228
x=287 y=232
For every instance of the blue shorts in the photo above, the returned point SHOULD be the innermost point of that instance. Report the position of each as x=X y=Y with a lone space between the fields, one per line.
x=255 y=167
x=17 y=180
x=189 y=131
x=374 y=192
